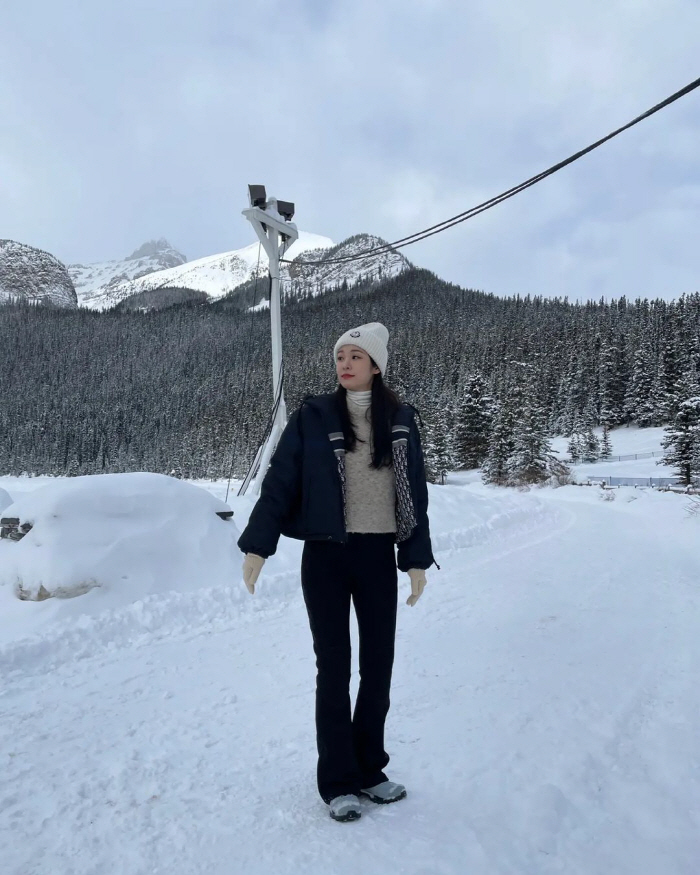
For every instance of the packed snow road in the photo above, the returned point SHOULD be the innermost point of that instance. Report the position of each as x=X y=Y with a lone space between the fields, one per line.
x=545 y=711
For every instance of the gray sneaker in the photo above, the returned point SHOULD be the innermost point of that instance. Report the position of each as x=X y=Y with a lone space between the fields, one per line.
x=345 y=808
x=385 y=792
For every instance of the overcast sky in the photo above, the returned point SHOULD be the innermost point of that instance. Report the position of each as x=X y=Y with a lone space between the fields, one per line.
x=124 y=121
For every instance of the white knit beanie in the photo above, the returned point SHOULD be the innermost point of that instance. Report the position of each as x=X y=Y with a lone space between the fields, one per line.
x=372 y=337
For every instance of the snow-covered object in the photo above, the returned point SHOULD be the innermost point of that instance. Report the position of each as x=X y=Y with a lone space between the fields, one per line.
x=5 y=500
x=215 y=275
x=30 y=274
x=96 y=284
x=128 y=535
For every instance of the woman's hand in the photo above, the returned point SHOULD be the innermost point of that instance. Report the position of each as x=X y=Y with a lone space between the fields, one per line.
x=252 y=565
x=418 y=582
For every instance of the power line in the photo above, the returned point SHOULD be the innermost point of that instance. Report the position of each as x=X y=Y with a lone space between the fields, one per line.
x=511 y=192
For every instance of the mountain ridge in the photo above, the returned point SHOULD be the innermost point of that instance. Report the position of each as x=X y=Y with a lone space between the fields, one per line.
x=220 y=275
x=28 y=273
x=156 y=275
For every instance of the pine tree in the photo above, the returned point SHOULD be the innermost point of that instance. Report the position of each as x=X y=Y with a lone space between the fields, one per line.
x=638 y=403
x=605 y=444
x=591 y=446
x=682 y=441
x=500 y=450
x=473 y=422
x=531 y=448
x=687 y=387
x=612 y=383
x=573 y=448
x=437 y=453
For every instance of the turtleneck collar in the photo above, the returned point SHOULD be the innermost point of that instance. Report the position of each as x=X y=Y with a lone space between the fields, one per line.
x=360 y=399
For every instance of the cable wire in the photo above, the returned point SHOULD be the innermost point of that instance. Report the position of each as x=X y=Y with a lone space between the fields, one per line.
x=497 y=199
x=253 y=470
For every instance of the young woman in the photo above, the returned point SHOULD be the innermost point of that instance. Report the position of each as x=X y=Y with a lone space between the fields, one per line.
x=348 y=478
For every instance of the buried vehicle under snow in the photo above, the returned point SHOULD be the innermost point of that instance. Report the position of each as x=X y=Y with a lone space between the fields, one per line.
x=140 y=532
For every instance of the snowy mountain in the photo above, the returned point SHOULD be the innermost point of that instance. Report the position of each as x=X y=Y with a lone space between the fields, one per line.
x=97 y=284
x=218 y=275
x=27 y=273
x=317 y=278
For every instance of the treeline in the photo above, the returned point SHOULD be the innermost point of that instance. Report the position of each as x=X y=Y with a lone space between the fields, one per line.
x=187 y=389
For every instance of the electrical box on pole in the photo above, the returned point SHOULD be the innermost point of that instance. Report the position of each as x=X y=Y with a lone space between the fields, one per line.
x=271 y=220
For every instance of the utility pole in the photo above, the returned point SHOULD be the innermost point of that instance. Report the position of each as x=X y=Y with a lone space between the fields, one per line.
x=271 y=220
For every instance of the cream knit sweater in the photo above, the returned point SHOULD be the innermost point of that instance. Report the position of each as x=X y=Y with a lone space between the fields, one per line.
x=370 y=492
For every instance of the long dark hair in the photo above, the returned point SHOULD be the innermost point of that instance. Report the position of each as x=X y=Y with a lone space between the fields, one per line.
x=385 y=403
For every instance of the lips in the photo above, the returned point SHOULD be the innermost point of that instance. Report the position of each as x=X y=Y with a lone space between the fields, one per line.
x=347 y=376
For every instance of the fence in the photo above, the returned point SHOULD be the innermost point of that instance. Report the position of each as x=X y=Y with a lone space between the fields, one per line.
x=634 y=481
x=630 y=457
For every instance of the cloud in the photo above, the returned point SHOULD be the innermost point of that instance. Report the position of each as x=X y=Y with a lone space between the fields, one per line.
x=125 y=121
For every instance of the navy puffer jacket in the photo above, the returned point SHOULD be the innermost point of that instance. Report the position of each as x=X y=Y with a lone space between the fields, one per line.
x=303 y=493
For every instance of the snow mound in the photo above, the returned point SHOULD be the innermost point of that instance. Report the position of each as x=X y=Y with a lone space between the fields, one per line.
x=123 y=536
x=5 y=500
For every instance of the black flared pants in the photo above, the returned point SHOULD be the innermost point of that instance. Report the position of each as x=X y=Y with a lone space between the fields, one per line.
x=350 y=745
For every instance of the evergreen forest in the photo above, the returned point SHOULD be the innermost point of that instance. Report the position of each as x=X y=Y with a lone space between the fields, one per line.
x=187 y=389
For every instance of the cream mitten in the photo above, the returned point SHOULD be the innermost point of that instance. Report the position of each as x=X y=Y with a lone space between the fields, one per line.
x=252 y=566
x=418 y=582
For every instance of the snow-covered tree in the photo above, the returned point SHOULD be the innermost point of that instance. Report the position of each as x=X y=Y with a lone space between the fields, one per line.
x=531 y=448
x=639 y=400
x=591 y=446
x=612 y=381
x=682 y=441
x=437 y=450
x=574 y=447
x=473 y=423
x=190 y=383
x=495 y=469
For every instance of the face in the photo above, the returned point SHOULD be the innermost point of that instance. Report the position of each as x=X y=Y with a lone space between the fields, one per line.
x=354 y=368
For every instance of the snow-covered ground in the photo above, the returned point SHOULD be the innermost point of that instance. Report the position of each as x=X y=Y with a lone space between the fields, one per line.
x=545 y=709
x=627 y=441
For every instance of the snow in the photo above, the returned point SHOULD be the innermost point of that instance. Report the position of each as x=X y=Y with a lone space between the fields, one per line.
x=95 y=283
x=101 y=286
x=545 y=705
x=5 y=500
x=625 y=441
x=215 y=275
x=113 y=540
x=385 y=263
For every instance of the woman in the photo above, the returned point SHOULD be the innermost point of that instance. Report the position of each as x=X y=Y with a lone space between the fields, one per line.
x=348 y=478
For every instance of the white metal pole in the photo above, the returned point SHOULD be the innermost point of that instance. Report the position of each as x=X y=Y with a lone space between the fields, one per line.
x=276 y=345
x=272 y=230
x=276 y=316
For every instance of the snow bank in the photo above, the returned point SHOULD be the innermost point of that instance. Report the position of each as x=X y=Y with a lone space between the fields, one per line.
x=5 y=500
x=118 y=537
